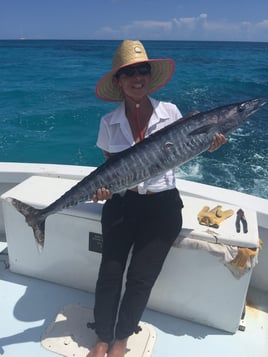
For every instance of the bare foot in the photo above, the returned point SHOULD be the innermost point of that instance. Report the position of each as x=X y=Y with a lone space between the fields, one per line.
x=99 y=350
x=118 y=349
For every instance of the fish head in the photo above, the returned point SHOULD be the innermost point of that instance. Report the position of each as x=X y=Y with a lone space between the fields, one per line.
x=234 y=115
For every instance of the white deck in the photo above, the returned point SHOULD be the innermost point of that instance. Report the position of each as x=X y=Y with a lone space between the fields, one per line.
x=28 y=306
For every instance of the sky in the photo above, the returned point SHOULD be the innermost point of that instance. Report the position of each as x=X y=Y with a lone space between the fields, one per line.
x=195 y=20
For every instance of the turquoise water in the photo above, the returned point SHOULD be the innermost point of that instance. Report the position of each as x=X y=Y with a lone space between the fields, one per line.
x=49 y=112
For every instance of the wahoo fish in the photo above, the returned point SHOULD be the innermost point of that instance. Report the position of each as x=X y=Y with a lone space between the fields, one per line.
x=166 y=149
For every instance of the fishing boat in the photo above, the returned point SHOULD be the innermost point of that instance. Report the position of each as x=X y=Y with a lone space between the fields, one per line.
x=210 y=299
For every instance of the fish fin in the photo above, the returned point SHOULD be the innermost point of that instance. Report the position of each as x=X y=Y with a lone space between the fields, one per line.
x=34 y=218
x=205 y=129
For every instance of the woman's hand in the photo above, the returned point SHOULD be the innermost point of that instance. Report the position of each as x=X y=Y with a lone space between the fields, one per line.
x=102 y=194
x=218 y=141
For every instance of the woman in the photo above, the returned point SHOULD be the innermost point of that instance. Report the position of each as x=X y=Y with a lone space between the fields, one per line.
x=147 y=218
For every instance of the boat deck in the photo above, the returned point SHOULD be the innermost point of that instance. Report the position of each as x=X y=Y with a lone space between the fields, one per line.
x=29 y=306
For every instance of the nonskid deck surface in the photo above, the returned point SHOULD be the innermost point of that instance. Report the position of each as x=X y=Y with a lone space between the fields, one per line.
x=29 y=306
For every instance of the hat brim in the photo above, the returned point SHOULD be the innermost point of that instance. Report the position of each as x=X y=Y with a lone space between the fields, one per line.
x=161 y=72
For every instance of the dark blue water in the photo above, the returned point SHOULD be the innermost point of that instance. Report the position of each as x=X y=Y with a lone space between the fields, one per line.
x=49 y=112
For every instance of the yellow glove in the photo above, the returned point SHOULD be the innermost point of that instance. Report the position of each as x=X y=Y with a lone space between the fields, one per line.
x=213 y=217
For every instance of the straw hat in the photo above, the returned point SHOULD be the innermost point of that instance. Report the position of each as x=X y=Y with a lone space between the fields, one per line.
x=129 y=53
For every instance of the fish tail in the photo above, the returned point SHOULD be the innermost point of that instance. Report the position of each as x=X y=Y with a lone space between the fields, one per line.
x=34 y=218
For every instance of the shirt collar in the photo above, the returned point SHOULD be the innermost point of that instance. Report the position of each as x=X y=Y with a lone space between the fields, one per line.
x=159 y=110
x=118 y=113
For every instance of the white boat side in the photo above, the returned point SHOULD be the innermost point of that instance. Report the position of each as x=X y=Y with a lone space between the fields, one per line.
x=27 y=311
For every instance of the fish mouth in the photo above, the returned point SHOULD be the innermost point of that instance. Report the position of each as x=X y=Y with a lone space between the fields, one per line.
x=258 y=103
x=253 y=105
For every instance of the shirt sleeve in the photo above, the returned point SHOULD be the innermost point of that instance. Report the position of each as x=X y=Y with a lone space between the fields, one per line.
x=175 y=113
x=179 y=115
x=103 y=136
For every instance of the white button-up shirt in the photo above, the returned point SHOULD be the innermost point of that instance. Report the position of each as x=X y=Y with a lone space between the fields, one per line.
x=115 y=135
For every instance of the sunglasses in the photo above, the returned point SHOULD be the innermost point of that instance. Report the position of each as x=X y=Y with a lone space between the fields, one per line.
x=142 y=69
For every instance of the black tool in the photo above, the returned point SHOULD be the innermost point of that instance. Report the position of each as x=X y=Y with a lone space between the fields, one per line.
x=240 y=217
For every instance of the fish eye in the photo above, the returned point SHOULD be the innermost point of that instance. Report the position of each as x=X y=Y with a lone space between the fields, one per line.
x=168 y=145
x=242 y=107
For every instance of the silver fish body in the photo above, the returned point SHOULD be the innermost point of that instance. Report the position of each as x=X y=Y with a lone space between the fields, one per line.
x=168 y=148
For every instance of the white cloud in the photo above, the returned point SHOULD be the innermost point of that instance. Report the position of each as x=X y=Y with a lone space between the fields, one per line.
x=262 y=24
x=203 y=16
x=199 y=27
x=189 y=22
x=222 y=27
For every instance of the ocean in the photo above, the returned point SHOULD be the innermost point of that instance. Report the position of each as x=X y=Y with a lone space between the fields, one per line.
x=49 y=112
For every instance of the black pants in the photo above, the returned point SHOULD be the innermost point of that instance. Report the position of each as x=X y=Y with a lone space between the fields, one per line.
x=149 y=224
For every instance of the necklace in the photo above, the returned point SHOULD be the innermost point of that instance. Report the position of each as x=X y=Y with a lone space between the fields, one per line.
x=140 y=131
x=137 y=118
